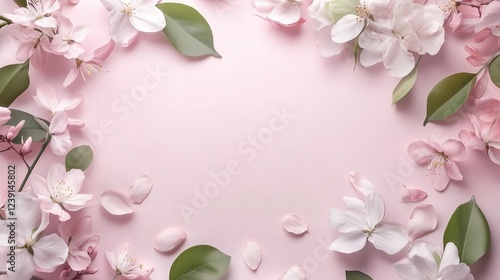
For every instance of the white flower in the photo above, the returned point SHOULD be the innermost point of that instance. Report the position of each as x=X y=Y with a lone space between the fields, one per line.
x=68 y=39
x=126 y=266
x=127 y=17
x=427 y=261
x=37 y=12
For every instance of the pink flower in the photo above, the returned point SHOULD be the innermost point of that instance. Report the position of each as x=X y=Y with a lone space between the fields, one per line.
x=26 y=146
x=59 y=193
x=33 y=251
x=127 y=17
x=486 y=134
x=88 y=64
x=60 y=141
x=36 y=12
x=282 y=12
x=34 y=45
x=440 y=161
x=4 y=115
x=126 y=266
x=490 y=18
x=79 y=240
x=68 y=39
x=10 y=132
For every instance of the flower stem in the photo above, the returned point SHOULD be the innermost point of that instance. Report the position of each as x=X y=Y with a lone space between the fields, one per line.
x=32 y=166
x=7 y=21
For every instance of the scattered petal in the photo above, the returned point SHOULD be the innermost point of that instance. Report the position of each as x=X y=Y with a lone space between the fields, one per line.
x=422 y=221
x=251 y=254
x=294 y=224
x=116 y=203
x=414 y=195
x=360 y=183
x=294 y=273
x=140 y=189
x=169 y=239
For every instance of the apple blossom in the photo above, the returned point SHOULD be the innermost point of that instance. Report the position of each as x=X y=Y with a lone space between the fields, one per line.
x=427 y=261
x=36 y=12
x=59 y=192
x=126 y=266
x=33 y=45
x=68 y=39
x=60 y=141
x=282 y=12
x=322 y=21
x=440 y=160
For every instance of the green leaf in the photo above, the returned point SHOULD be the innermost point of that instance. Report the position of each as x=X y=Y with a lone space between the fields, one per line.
x=21 y=3
x=449 y=95
x=405 y=85
x=79 y=158
x=200 y=262
x=31 y=126
x=494 y=69
x=468 y=229
x=14 y=80
x=356 y=52
x=187 y=30
x=356 y=275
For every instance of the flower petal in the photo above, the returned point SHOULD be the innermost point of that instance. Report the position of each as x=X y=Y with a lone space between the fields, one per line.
x=58 y=123
x=25 y=266
x=140 y=189
x=360 y=183
x=349 y=242
x=169 y=239
x=407 y=271
x=61 y=143
x=46 y=97
x=285 y=13
x=294 y=224
x=440 y=181
x=375 y=208
x=450 y=255
x=294 y=273
x=148 y=19
x=251 y=254
x=347 y=28
x=116 y=203
x=422 y=220
x=420 y=152
x=414 y=195
x=453 y=171
x=122 y=30
x=49 y=252
x=454 y=149
x=389 y=237
x=325 y=45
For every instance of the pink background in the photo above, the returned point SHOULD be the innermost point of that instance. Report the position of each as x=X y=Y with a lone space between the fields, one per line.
x=194 y=120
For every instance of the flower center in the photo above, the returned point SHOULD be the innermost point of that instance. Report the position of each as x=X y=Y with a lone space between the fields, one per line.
x=362 y=12
x=448 y=6
x=128 y=9
x=437 y=162
x=60 y=191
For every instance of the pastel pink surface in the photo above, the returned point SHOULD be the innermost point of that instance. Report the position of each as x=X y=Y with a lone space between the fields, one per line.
x=180 y=121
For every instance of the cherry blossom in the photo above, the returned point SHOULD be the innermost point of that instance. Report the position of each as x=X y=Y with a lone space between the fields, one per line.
x=33 y=45
x=490 y=18
x=33 y=251
x=427 y=261
x=440 y=160
x=59 y=192
x=127 y=17
x=68 y=39
x=46 y=98
x=282 y=12
x=125 y=265
x=60 y=141
x=36 y=12
x=10 y=132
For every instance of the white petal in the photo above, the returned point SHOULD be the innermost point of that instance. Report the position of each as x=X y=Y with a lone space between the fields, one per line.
x=407 y=271
x=294 y=273
x=327 y=47
x=169 y=239
x=25 y=266
x=389 y=237
x=148 y=19
x=423 y=220
x=251 y=254
x=59 y=123
x=294 y=224
x=50 y=251
x=285 y=14
x=450 y=256
x=140 y=189
x=116 y=203
x=375 y=208
x=121 y=29
x=349 y=242
x=347 y=28
x=360 y=183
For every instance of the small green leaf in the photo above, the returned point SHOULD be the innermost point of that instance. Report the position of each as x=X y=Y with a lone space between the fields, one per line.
x=449 y=95
x=14 y=80
x=494 y=69
x=21 y=3
x=31 y=126
x=79 y=158
x=356 y=52
x=468 y=229
x=200 y=262
x=356 y=275
x=187 y=30
x=405 y=85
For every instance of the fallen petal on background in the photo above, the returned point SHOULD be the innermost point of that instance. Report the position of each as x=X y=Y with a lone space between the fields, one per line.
x=360 y=183
x=251 y=254
x=422 y=221
x=294 y=224
x=116 y=203
x=414 y=195
x=294 y=273
x=169 y=239
x=140 y=189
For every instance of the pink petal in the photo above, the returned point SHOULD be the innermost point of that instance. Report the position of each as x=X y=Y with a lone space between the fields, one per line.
x=440 y=181
x=360 y=183
x=453 y=171
x=422 y=220
x=285 y=13
x=389 y=237
x=69 y=101
x=79 y=260
x=454 y=149
x=251 y=254
x=264 y=7
x=61 y=144
x=414 y=195
x=294 y=273
x=103 y=52
x=59 y=123
x=116 y=203
x=169 y=239
x=470 y=139
x=112 y=258
x=140 y=189
x=49 y=252
x=294 y=224
x=77 y=201
x=420 y=152
x=494 y=153
x=4 y=115
x=46 y=97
